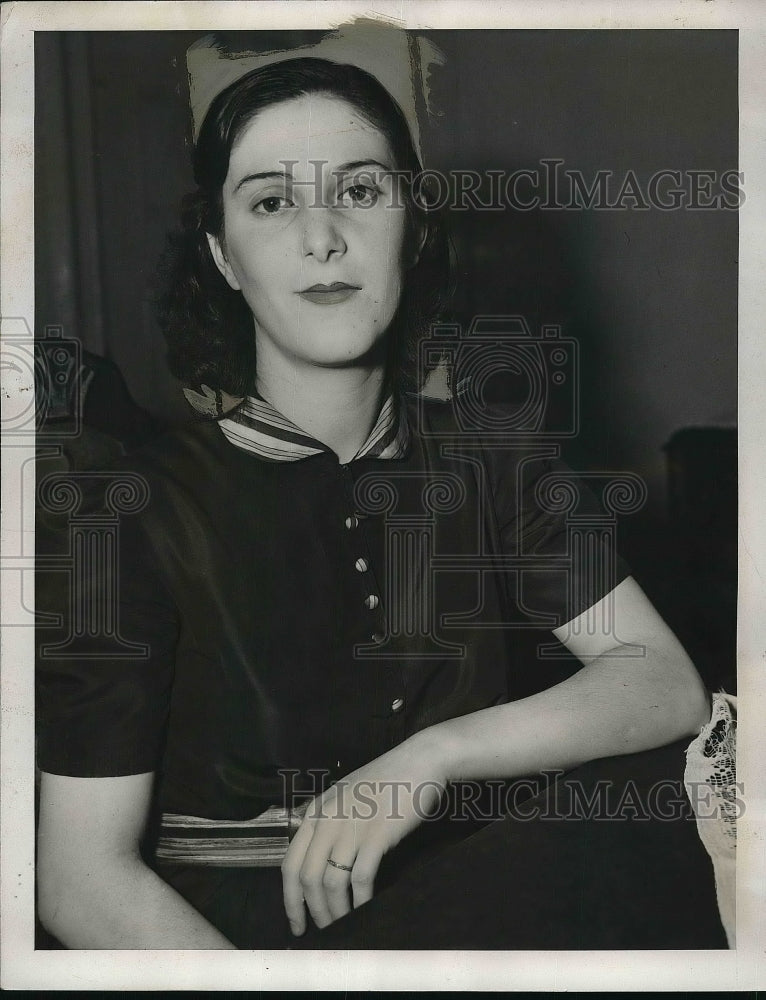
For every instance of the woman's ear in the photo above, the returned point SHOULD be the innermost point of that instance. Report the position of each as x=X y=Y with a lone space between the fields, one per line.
x=419 y=238
x=221 y=262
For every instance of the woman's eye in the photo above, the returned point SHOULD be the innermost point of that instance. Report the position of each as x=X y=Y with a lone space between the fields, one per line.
x=362 y=195
x=272 y=205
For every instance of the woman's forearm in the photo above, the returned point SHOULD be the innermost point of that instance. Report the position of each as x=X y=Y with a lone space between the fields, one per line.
x=123 y=904
x=614 y=705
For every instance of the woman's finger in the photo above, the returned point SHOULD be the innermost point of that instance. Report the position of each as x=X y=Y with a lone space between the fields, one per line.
x=365 y=870
x=312 y=884
x=292 y=891
x=337 y=879
x=326 y=886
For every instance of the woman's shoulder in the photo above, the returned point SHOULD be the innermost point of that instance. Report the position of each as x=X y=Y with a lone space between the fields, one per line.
x=494 y=427
x=182 y=467
x=189 y=449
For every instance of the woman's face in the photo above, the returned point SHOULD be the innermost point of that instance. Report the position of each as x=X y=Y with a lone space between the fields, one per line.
x=313 y=231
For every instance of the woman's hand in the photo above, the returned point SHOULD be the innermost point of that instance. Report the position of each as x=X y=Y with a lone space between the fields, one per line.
x=354 y=824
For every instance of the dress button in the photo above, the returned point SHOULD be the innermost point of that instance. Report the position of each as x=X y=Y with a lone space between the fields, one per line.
x=371 y=602
x=361 y=565
x=397 y=704
x=352 y=521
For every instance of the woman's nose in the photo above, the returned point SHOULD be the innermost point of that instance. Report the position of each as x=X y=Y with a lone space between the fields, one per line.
x=321 y=235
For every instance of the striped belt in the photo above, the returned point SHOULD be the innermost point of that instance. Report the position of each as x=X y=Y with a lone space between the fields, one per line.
x=261 y=842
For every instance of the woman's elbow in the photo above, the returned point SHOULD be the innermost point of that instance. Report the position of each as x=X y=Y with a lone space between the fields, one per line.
x=674 y=704
x=689 y=703
x=697 y=700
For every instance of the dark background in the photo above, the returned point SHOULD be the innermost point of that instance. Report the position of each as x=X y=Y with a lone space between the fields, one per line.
x=651 y=296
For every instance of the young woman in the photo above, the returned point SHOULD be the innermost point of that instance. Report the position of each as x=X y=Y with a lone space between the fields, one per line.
x=299 y=633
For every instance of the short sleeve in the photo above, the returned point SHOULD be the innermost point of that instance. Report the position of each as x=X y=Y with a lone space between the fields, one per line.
x=566 y=541
x=104 y=672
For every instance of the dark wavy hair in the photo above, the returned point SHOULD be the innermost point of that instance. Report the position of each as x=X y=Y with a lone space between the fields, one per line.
x=207 y=325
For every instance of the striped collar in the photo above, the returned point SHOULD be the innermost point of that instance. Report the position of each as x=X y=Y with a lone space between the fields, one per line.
x=261 y=429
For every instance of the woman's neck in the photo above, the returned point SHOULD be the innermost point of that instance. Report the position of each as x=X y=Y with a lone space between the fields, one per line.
x=337 y=406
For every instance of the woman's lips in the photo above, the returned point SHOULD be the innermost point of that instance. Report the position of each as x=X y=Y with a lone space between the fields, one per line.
x=328 y=295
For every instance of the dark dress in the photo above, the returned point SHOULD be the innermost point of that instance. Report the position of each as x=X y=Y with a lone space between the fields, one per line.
x=292 y=621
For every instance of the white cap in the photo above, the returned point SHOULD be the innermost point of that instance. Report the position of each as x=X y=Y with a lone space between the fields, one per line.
x=399 y=60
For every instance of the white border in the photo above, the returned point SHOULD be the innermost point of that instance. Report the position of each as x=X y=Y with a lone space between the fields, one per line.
x=629 y=971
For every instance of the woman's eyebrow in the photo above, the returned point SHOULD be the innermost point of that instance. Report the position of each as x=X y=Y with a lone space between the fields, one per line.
x=282 y=174
x=356 y=164
x=263 y=175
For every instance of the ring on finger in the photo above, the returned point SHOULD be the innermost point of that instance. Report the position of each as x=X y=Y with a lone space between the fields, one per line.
x=337 y=864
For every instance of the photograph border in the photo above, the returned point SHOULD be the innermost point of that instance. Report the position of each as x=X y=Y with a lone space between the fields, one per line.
x=22 y=966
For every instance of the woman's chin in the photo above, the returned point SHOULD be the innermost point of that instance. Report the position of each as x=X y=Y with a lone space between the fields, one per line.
x=354 y=353
x=334 y=363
